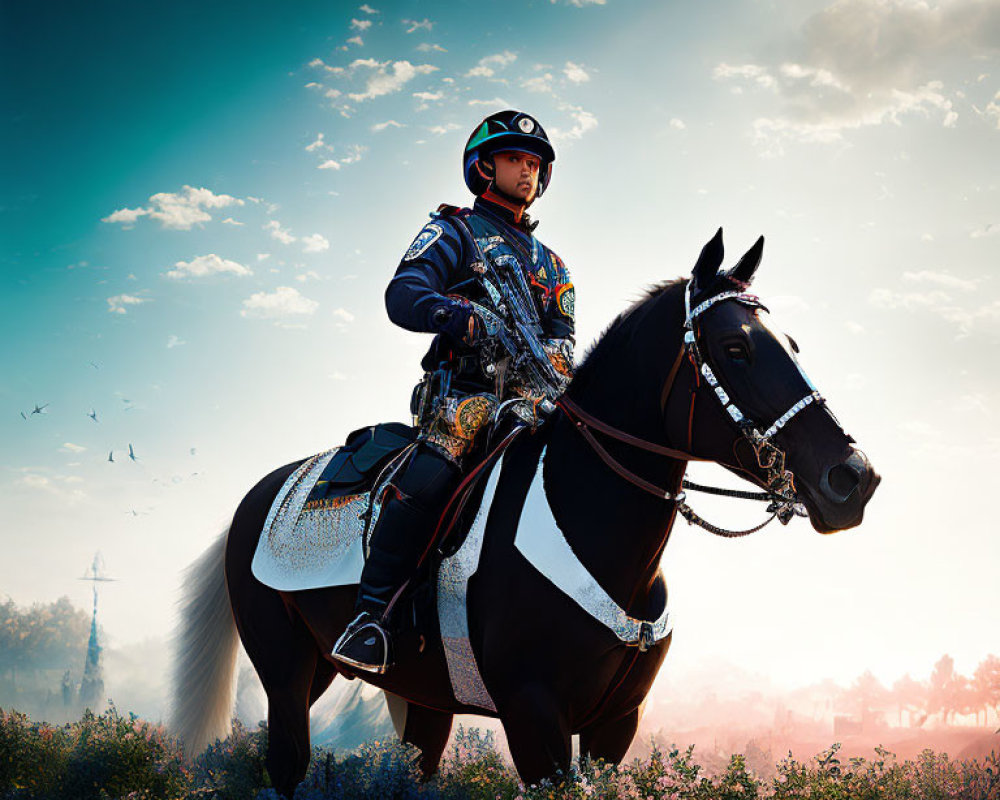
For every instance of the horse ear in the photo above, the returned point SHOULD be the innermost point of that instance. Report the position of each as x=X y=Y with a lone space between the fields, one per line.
x=709 y=261
x=747 y=266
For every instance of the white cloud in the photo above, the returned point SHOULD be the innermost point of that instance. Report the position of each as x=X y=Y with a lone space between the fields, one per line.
x=263 y=256
x=203 y=266
x=116 y=304
x=302 y=277
x=581 y=3
x=231 y=221
x=426 y=98
x=413 y=25
x=69 y=447
x=285 y=301
x=329 y=164
x=126 y=216
x=539 y=83
x=583 y=121
x=496 y=101
x=940 y=279
x=749 y=72
x=425 y=47
x=177 y=210
x=318 y=144
x=677 y=124
x=575 y=73
x=174 y=341
x=378 y=127
x=968 y=316
x=989 y=229
x=861 y=63
x=278 y=232
x=342 y=314
x=357 y=40
x=368 y=9
x=384 y=81
x=316 y=243
x=487 y=66
x=446 y=128
x=354 y=153
x=360 y=24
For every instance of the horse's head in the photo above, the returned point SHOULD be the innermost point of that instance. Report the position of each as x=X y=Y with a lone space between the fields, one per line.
x=752 y=403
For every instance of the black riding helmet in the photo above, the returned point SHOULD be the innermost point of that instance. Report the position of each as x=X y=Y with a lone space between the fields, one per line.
x=505 y=130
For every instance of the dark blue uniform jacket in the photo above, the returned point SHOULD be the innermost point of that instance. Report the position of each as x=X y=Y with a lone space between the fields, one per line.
x=438 y=263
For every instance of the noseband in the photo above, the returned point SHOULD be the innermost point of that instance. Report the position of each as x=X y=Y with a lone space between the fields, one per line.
x=780 y=482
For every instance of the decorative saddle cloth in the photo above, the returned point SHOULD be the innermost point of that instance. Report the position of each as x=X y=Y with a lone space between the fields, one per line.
x=314 y=538
x=314 y=533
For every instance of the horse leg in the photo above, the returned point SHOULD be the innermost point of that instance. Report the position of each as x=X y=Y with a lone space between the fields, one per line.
x=422 y=727
x=538 y=734
x=609 y=740
x=289 y=686
x=322 y=678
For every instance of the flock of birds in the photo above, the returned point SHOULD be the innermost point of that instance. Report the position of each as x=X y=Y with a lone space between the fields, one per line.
x=40 y=409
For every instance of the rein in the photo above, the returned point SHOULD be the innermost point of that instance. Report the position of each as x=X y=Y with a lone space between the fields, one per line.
x=780 y=494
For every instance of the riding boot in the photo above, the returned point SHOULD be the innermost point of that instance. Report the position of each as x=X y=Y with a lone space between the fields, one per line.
x=401 y=536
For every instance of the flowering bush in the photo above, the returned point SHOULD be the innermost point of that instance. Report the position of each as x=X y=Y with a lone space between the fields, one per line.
x=106 y=756
x=114 y=756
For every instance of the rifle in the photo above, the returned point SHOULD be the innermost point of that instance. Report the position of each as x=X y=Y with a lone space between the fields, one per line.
x=513 y=322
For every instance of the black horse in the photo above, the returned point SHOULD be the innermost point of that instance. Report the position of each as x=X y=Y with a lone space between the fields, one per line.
x=551 y=669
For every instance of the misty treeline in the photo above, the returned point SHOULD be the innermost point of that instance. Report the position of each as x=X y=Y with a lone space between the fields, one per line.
x=45 y=636
x=944 y=695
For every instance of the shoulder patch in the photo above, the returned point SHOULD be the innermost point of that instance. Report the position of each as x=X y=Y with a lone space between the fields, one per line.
x=431 y=233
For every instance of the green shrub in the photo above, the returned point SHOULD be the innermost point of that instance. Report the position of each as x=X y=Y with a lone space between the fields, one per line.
x=115 y=757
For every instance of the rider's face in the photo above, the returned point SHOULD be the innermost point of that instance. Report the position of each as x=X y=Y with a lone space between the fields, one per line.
x=517 y=174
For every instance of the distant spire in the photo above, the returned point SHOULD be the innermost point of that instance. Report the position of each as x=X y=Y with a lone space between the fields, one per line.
x=92 y=685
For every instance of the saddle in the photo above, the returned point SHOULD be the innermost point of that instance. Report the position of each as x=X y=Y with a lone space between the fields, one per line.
x=316 y=531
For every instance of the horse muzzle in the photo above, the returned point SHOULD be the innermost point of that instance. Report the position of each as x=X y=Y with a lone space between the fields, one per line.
x=838 y=499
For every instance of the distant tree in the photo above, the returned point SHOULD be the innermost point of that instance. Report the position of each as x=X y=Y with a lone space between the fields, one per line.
x=987 y=682
x=948 y=693
x=44 y=636
x=909 y=696
x=868 y=696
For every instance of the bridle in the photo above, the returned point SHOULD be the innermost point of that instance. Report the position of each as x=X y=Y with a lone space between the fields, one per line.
x=780 y=482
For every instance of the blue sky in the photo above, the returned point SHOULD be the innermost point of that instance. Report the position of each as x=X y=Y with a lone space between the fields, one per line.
x=206 y=201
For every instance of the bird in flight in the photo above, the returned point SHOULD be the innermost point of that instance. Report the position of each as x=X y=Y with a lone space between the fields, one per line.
x=111 y=456
x=94 y=365
x=131 y=452
x=93 y=415
x=24 y=417
x=40 y=408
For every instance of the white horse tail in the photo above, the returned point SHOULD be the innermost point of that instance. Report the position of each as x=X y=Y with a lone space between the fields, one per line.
x=204 y=659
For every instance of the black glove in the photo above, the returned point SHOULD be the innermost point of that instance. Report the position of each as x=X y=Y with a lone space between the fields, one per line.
x=459 y=322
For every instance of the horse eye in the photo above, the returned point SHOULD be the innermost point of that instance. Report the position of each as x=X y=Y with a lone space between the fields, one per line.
x=737 y=351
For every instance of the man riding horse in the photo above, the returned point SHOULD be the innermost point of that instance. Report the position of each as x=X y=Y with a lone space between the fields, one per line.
x=502 y=306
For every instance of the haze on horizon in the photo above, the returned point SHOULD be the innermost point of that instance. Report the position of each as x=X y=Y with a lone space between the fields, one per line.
x=198 y=218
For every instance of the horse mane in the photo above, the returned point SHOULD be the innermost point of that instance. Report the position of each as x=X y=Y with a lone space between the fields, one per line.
x=620 y=329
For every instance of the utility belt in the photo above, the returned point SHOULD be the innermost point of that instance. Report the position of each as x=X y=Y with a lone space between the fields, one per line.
x=452 y=413
x=460 y=376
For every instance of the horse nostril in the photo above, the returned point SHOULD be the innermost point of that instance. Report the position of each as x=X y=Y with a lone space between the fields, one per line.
x=842 y=480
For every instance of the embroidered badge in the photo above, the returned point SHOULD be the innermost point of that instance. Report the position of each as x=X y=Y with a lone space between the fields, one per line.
x=430 y=234
x=566 y=299
x=526 y=124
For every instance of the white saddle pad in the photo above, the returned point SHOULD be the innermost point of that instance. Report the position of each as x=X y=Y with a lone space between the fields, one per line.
x=314 y=546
